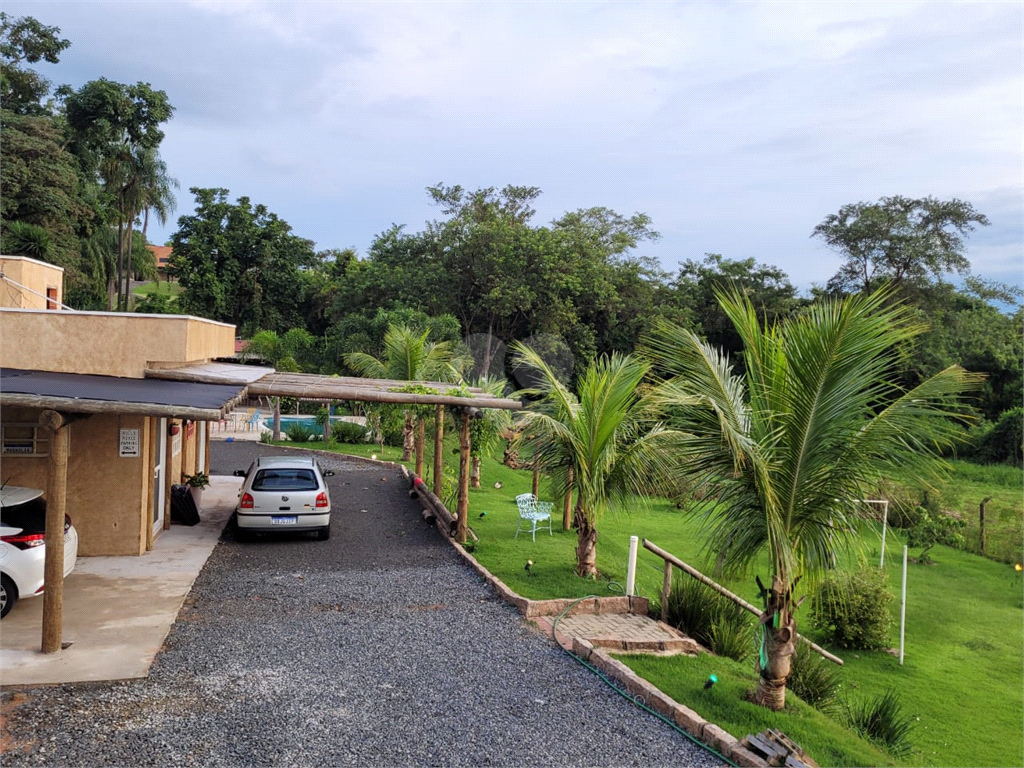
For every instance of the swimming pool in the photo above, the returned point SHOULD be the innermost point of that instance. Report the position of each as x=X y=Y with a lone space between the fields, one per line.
x=309 y=422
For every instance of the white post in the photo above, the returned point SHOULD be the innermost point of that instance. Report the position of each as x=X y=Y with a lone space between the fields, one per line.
x=885 y=523
x=631 y=569
x=903 y=606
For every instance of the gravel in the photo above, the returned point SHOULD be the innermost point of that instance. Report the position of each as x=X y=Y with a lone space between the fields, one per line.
x=377 y=647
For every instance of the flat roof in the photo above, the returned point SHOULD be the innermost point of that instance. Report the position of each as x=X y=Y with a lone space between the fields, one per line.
x=89 y=393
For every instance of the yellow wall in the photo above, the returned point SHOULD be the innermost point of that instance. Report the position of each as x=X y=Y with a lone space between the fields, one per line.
x=108 y=343
x=106 y=494
x=36 y=275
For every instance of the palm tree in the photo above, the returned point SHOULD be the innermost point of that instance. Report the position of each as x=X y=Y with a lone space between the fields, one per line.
x=408 y=356
x=605 y=444
x=789 y=446
x=485 y=431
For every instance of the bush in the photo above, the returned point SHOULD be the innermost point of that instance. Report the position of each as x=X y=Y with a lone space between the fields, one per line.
x=853 y=609
x=1001 y=442
x=347 y=432
x=266 y=437
x=814 y=679
x=713 y=620
x=932 y=529
x=298 y=433
x=882 y=720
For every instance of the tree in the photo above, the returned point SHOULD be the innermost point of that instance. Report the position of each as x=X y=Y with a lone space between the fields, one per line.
x=408 y=356
x=26 y=40
x=604 y=444
x=485 y=431
x=901 y=240
x=115 y=133
x=239 y=263
x=787 y=447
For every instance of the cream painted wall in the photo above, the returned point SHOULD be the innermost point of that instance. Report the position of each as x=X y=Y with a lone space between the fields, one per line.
x=109 y=343
x=36 y=275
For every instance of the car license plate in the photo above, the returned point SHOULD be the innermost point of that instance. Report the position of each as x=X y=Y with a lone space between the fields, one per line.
x=284 y=520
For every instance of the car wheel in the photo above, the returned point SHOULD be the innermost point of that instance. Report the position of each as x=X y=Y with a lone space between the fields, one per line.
x=8 y=595
x=243 y=535
x=324 y=533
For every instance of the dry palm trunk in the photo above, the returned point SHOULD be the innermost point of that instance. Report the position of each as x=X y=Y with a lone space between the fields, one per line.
x=778 y=647
x=408 y=438
x=586 y=546
x=474 y=475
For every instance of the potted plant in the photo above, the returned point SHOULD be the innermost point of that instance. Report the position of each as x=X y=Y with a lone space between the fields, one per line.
x=196 y=483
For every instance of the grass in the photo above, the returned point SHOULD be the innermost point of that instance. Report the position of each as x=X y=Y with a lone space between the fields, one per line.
x=968 y=486
x=964 y=652
x=164 y=287
x=726 y=705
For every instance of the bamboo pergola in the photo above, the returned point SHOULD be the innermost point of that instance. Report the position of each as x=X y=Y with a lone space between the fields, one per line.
x=310 y=386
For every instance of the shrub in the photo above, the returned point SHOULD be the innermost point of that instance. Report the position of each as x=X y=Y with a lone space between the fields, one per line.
x=1001 y=442
x=347 y=432
x=266 y=437
x=814 y=679
x=882 y=720
x=932 y=529
x=298 y=433
x=853 y=609
x=713 y=620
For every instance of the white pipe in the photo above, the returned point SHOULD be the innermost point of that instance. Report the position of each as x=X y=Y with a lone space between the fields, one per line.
x=885 y=523
x=631 y=569
x=903 y=606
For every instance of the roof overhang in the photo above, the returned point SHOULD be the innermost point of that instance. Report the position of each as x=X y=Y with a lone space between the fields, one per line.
x=311 y=386
x=86 y=393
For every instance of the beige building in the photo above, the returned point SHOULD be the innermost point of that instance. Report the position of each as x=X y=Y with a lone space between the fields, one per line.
x=131 y=436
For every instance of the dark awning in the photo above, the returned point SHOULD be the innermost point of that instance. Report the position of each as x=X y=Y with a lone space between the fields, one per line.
x=85 y=393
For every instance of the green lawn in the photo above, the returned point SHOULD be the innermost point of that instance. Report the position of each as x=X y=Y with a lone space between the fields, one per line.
x=161 y=287
x=963 y=674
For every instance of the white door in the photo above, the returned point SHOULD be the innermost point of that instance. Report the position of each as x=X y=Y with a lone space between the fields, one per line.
x=160 y=476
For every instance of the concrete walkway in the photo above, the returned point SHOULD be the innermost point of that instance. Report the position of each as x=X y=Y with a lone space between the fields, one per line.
x=117 y=610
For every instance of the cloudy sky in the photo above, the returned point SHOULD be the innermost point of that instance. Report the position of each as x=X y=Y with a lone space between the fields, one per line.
x=736 y=126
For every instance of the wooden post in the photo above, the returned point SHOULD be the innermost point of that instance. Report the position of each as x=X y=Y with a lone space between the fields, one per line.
x=438 y=450
x=462 y=510
x=666 y=588
x=277 y=418
x=567 y=506
x=981 y=522
x=421 y=436
x=56 y=504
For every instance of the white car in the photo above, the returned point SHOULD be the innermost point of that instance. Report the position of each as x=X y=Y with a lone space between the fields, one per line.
x=283 y=493
x=23 y=545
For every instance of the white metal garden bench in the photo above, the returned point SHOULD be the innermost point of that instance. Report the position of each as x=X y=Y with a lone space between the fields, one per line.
x=533 y=512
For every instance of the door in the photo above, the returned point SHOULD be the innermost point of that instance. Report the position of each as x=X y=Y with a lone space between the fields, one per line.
x=160 y=477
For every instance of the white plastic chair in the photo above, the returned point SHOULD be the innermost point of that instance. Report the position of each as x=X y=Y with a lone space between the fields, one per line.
x=533 y=512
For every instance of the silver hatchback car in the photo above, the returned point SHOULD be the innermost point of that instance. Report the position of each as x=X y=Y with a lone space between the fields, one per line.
x=283 y=493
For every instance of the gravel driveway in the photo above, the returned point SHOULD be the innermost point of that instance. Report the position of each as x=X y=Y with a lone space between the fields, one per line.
x=377 y=647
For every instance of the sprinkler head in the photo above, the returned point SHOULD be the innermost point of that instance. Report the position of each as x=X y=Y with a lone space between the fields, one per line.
x=710 y=682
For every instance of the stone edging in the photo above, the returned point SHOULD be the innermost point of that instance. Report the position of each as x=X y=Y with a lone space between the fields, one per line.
x=710 y=734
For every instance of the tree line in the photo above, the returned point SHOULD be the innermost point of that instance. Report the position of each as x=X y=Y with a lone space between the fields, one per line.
x=80 y=174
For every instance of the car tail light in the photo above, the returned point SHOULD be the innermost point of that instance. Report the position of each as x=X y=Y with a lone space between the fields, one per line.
x=246 y=502
x=321 y=501
x=26 y=540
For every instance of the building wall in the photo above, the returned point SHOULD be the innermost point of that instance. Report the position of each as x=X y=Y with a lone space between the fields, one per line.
x=106 y=494
x=109 y=343
x=36 y=275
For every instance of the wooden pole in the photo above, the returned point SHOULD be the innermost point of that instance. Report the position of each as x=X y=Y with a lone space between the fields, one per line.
x=421 y=437
x=666 y=588
x=277 y=418
x=668 y=557
x=567 y=506
x=981 y=522
x=438 y=450
x=56 y=505
x=462 y=510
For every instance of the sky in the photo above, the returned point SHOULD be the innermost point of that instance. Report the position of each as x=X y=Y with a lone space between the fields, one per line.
x=736 y=126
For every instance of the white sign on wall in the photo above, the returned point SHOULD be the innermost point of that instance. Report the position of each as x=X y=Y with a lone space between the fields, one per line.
x=129 y=444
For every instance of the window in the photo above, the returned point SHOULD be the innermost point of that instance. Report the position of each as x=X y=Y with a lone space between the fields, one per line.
x=285 y=480
x=24 y=440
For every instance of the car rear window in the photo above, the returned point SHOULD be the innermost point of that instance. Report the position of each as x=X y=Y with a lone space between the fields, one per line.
x=30 y=516
x=285 y=480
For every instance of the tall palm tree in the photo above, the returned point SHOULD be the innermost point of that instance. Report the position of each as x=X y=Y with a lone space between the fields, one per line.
x=485 y=431
x=604 y=443
x=408 y=356
x=790 y=445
